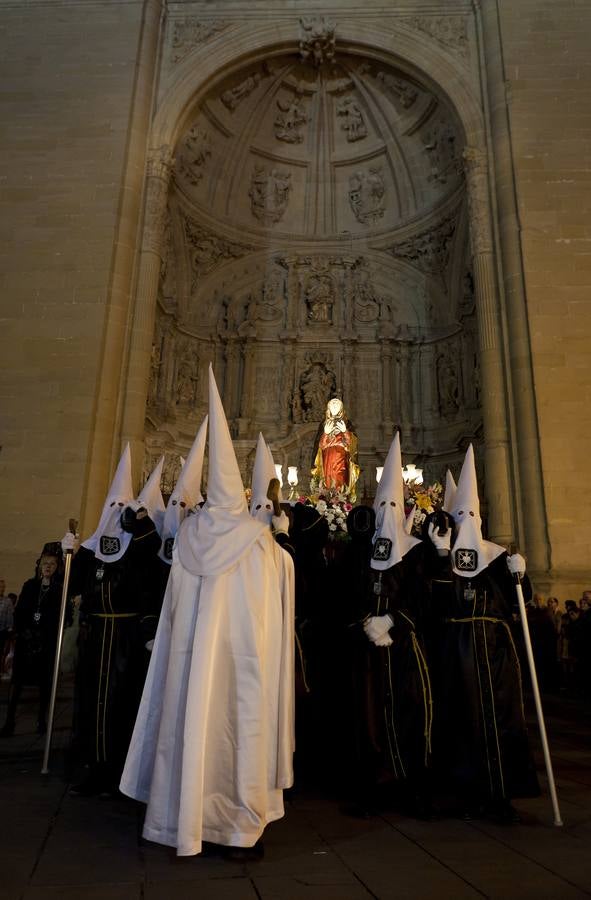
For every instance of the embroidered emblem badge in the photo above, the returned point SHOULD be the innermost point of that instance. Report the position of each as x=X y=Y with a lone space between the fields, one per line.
x=466 y=560
x=382 y=549
x=110 y=545
x=168 y=545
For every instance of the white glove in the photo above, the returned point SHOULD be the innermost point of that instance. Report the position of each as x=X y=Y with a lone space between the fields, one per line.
x=71 y=542
x=384 y=641
x=280 y=523
x=441 y=542
x=149 y=645
x=376 y=627
x=516 y=564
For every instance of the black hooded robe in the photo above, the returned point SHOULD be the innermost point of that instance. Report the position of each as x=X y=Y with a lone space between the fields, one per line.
x=480 y=737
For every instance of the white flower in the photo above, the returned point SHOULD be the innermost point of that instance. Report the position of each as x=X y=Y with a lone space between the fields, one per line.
x=321 y=507
x=332 y=527
x=329 y=516
x=344 y=526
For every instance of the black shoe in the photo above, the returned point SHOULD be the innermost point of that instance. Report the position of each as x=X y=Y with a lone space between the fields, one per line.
x=502 y=813
x=245 y=854
x=89 y=786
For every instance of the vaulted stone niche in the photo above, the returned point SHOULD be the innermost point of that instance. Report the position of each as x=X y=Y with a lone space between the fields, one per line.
x=317 y=243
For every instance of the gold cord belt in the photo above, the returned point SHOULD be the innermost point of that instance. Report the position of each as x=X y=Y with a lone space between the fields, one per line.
x=114 y=615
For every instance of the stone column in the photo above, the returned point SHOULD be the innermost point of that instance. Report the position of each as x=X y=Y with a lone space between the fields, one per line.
x=248 y=387
x=231 y=399
x=159 y=167
x=287 y=364
x=496 y=434
x=387 y=421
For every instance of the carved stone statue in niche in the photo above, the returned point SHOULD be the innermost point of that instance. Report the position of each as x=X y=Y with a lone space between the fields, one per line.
x=353 y=123
x=155 y=364
x=367 y=195
x=194 y=154
x=320 y=299
x=233 y=97
x=186 y=378
x=289 y=118
x=439 y=144
x=403 y=91
x=317 y=40
x=366 y=303
x=448 y=385
x=317 y=384
x=269 y=193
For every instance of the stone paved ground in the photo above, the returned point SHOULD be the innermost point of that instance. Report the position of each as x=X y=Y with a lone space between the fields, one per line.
x=56 y=846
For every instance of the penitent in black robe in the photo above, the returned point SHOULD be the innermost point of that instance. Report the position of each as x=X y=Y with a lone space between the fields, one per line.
x=391 y=686
x=119 y=611
x=480 y=737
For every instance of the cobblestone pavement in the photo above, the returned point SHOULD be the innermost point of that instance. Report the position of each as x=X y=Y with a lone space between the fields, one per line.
x=53 y=845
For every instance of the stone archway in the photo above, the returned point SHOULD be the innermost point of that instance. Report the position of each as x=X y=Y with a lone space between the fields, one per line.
x=368 y=41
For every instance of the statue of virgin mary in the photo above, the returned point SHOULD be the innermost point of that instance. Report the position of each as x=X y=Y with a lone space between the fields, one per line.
x=335 y=464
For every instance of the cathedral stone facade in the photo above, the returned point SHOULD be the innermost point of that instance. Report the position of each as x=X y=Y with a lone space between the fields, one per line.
x=386 y=203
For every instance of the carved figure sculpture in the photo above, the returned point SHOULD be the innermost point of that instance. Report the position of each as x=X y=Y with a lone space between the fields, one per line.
x=289 y=118
x=320 y=299
x=353 y=123
x=366 y=195
x=269 y=194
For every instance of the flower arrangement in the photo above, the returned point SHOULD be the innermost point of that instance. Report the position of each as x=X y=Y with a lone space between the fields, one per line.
x=335 y=507
x=424 y=500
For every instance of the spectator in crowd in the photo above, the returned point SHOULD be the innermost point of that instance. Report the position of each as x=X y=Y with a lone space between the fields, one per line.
x=583 y=645
x=568 y=645
x=36 y=622
x=6 y=622
x=543 y=637
x=554 y=609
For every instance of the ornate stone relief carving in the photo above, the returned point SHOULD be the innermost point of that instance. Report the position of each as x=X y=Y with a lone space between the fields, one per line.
x=367 y=195
x=476 y=169
x=208 y=250
x=167 y=284
x=316 y=385
x=448 y=385
x=187 y=377
x=317 y=40
x=189 y=33
x=440 y=146
x=367 y=303
x=353 y=123
x=404 y=92
x=155 y=366
x=320 y=299
x=233 y=97
x=195 y=151
x=429 y=250
x=291 y=115
x=269 y=194
x=159 y=165
x=449 y=31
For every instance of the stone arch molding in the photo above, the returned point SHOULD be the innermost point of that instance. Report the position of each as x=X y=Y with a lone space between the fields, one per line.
x=448 y=77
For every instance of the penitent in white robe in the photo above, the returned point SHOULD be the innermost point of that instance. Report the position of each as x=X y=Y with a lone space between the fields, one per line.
x=213 y=743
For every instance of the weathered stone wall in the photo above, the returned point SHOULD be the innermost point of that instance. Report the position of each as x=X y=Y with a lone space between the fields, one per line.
x=77 y=79
x=546 y=67
x=67 y=73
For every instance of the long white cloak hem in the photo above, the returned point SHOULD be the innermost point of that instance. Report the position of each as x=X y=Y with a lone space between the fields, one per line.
x=212 y=748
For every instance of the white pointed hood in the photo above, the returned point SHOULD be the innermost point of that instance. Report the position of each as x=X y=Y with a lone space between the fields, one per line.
x=109 y=542
x=186 y=493
x=450 y=492
x=151 y=496
x=391 y=541
x=263 y=471
x=214 y=541
x=470 y=553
